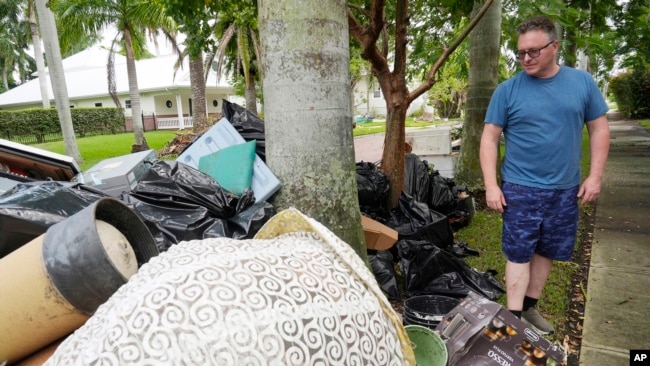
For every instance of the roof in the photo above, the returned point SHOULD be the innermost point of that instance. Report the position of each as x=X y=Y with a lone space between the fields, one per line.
x=86 y=77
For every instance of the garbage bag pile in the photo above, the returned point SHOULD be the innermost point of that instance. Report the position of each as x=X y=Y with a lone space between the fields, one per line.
x=184 y=205
x=430 y=209
x=176 y=201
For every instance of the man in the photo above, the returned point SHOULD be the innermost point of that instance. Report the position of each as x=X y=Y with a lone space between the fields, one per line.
x=541 y=111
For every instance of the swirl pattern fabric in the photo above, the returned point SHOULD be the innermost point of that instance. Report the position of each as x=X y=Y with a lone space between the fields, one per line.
x=295 y=295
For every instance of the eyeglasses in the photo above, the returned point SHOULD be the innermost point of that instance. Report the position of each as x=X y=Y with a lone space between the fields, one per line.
x=533 y=52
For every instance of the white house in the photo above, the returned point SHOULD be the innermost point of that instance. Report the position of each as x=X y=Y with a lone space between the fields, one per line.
x=368 y=99
x=165 y=93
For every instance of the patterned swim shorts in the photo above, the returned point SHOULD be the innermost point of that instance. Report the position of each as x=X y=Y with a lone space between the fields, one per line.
x=542 y=221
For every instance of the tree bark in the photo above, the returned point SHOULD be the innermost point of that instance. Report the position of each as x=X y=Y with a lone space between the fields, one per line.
x=484 y=50
x=309 y=144
x=38 y=56
x=199 y=114
x=57 y=78
x=140 y=143
x=251 y=97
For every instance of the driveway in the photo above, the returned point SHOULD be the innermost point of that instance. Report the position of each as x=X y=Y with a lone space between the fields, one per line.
x=369 y=148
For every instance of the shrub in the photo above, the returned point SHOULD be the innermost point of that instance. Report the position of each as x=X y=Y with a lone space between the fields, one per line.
x=631 y=92
x=40 y=125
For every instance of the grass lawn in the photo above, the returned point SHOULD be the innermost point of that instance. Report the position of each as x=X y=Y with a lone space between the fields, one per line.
x=97 y=148
x=379 y=126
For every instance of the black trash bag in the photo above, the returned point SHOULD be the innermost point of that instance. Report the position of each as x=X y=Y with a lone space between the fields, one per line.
x=172 y=222
x=462 y=250
x=422 y=263
x=416 y=178
x=247 y=223
x=249 y=126
x=464 y=209
x=383 y=268
x=442 y=197
x=173 y=183
x=416 y=221
x=372 y=190
x=28 y=209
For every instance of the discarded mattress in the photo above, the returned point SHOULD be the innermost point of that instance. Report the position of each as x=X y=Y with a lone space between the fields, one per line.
x=294 y=295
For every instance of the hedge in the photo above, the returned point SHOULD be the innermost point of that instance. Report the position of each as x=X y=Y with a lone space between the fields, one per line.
x=631 y=91
x=37 y=125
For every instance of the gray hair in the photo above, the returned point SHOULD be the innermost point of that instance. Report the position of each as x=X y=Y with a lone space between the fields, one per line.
x=538 y=22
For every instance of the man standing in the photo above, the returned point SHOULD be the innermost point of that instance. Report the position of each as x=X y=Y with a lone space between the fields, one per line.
x=541 y=112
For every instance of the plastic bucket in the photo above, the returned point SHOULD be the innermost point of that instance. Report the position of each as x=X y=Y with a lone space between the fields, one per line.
x=428 y=347
x=427 y=310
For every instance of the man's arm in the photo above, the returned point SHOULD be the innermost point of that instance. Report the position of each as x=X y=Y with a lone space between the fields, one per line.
x=489 y=154
x=598 y=150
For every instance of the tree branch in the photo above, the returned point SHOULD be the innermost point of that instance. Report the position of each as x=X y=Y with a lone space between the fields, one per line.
x=447 y=52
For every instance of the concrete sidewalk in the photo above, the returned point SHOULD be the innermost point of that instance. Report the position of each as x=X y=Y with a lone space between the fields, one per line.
x=617 y=307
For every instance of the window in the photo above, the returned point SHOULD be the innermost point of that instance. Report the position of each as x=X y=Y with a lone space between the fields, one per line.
x=98 y=105
x=376 y=93
x=127 y=103
x=215 y=103
x=168 y=103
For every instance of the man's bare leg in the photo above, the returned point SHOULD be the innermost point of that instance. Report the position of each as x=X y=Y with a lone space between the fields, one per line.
x=540 y=268
x=517 y=282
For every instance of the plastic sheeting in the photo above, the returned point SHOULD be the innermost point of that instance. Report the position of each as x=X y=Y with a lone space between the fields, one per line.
x=373 y=189
x=294 y=295
x=439 y=193
x=415 y=220
x=178 y=202
x=28 y=209
x=428 y=269
x=383 y=266
x=249 y=125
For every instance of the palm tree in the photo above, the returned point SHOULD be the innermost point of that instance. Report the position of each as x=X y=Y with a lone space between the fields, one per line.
x=38 y=54
x=57 y=78
x=484 y=43
x=314 y=162
x=238 y=47
x=14 y=43
x=131 y=19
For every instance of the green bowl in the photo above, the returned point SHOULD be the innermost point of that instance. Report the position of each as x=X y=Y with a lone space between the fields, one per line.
x=428 y=347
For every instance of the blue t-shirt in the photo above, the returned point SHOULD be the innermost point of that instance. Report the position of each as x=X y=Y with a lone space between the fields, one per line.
x=542 y=121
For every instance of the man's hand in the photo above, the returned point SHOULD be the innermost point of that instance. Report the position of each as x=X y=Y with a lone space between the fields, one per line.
x=589 y=190
x=494 y=199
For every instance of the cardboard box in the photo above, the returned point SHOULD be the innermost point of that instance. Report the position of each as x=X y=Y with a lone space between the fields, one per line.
x=378 y=235
x=481 y=332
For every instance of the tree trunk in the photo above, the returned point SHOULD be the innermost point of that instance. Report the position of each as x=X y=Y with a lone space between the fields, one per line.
x=5 y=79
x=392 y=163
x=251 y=97
x=309 y=144
x=38 y=56
x=57 y=78
x=484 y=50
x=134 y=94
x=199 y=115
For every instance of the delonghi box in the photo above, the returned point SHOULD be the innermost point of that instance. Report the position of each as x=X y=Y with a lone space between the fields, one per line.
x=118 y=174
x=24 y=163
x=481 y=332
x=220 y=136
